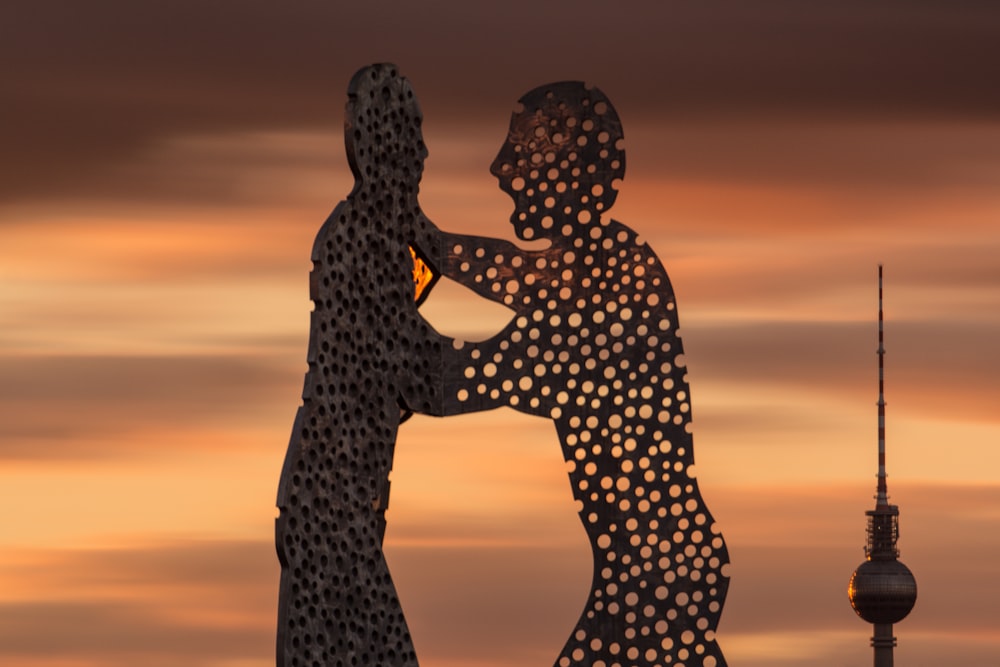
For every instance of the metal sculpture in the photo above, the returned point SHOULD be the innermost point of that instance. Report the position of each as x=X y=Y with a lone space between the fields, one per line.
x=368 y=348
x=592 y=345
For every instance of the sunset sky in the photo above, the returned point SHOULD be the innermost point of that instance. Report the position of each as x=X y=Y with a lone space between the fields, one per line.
x=164 y=167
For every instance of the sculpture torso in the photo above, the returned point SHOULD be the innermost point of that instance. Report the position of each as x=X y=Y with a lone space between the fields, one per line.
x=338 y=604
x=593 y=345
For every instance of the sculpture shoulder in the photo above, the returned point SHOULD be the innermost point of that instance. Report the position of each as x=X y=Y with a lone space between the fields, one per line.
x=640 y=252
x=621 y=232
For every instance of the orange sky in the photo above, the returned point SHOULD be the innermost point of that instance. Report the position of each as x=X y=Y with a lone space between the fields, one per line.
x=165 y=174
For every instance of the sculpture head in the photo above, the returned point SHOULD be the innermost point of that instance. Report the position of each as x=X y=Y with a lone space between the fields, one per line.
x=382 y=126
x=561 y=160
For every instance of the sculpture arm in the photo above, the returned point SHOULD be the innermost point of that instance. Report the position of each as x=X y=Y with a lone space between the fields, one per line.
x=484 y=265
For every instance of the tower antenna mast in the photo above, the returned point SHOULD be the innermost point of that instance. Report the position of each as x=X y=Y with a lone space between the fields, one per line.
x=882 y=590
x=882 y=497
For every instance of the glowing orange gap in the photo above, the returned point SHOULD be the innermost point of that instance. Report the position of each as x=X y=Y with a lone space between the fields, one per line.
x=423 y=275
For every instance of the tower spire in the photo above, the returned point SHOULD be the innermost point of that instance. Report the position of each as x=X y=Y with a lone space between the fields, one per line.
x=882 y=497
x=882 y=590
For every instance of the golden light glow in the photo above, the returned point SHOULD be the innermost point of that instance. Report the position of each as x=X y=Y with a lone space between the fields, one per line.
x=153 y=355
x=423 y=276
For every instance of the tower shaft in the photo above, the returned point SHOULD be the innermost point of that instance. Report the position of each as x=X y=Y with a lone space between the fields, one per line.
x=882 y=644
x=882 y=590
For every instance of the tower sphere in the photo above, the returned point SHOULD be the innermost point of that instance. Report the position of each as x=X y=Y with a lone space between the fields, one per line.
x=882 y=591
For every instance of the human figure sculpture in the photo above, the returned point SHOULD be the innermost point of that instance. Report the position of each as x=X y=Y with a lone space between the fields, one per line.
x=593 y=345
x=338 y=606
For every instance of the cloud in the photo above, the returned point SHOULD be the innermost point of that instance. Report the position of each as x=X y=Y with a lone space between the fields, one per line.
x=86 y=407
x=118 y=634
x=515 y=606
x=837 y=359
x=170 y=569
x=194 y=603
x=96 y=88
x=793 y=549
x=851 y=159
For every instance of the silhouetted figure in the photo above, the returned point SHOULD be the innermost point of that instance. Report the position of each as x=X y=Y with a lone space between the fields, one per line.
x=593 y=345
x=368 y=348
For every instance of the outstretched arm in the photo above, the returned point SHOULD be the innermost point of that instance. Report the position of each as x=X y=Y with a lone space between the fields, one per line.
x=484 y=265
x=495 y=269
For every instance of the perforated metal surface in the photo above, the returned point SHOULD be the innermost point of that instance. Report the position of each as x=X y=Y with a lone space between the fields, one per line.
x=592 y=345
x=367 y=347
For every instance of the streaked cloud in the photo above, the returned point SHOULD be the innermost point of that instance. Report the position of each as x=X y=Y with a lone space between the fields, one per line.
x=97 y=88
x=191 y=603
x=85 y=407
x=166 y=167
x=208 y=602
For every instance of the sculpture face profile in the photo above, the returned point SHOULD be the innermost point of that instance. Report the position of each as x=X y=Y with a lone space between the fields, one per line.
x=592 y=345
x=561 y=155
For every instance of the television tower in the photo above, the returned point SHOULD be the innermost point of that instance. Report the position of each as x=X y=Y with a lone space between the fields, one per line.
x=882 y=590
